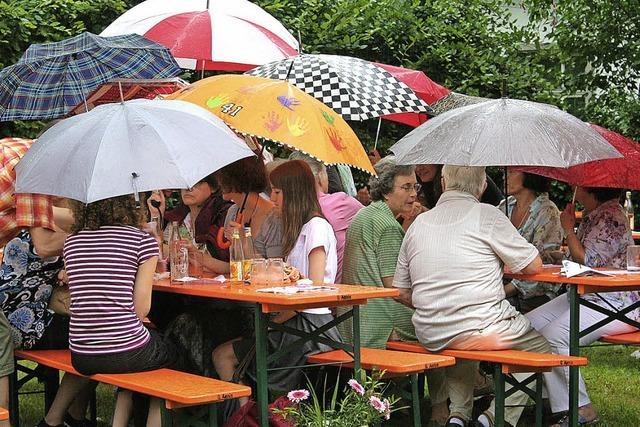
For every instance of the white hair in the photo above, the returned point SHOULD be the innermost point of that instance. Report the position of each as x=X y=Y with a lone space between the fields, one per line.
x=469 y=179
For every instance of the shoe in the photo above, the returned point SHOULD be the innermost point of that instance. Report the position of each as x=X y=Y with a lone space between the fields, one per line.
x=43 y=423
x=69 y=421
x=450 y=424
x=582 y=421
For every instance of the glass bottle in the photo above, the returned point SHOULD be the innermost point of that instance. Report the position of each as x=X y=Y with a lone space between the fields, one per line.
x=628 y=207
x=248 y=253
x=178 y=254
x=235 y=257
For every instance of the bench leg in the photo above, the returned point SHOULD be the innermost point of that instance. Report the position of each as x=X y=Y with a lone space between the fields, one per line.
x=498 y=379
x=415 y=398
x=539 y=399
x=14 y=402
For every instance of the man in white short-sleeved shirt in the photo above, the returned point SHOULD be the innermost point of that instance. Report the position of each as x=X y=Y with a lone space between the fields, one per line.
x=450 y=269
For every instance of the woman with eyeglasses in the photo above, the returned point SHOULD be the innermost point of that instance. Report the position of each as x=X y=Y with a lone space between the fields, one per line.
x=371 y=251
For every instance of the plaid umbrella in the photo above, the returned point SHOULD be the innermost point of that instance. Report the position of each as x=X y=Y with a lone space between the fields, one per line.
x=354 y=88
x=52 y=78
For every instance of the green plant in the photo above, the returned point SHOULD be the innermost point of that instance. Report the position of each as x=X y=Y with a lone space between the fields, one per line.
x=361 y=405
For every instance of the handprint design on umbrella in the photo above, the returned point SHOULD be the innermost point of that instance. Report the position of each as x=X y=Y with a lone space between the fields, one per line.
x=335 y=138
x=328 y=117
x=288 y=102
x=220 y=99
x=299 y=126
x=272 y=121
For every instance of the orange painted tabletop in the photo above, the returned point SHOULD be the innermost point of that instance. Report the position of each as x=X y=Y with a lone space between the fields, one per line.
x=4 y=414
x=636 y=235
x=270 y=302
x=585 y=284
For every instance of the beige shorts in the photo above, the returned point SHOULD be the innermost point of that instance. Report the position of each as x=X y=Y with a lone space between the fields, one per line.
x=6 y=347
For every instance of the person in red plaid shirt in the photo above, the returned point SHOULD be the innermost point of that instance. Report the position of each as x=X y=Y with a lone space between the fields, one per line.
x=34 y=212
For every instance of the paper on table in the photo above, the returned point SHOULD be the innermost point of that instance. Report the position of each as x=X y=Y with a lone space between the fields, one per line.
x=572 y=269
x=295 y=289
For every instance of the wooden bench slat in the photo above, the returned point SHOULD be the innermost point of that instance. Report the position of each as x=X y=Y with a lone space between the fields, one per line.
x=394 y=362
x=505 y=357
x=632 y=338
x=4 y=414
x=178 y=388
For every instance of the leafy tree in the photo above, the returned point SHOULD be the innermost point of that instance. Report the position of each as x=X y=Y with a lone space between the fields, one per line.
x=597 y=42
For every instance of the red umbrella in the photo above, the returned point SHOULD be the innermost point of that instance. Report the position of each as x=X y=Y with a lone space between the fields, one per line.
x=232 y=35
x=621 y=172
x=422 y=85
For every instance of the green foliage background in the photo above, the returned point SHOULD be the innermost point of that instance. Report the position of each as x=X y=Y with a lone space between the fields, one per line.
x=470 y=46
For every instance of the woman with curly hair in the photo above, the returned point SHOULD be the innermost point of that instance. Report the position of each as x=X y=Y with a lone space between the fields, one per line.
x=110 y=264
x=242 y=183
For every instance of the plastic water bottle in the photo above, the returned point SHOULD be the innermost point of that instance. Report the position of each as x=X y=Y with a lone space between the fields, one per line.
x=628 y=207
x=235 y=257
x=248 y=253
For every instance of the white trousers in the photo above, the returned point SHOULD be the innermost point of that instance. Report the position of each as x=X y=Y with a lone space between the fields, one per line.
x=552 y=321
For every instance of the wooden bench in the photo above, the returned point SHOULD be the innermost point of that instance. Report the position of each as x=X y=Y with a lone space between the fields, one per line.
x=393 y=363
x=4 y=414
x=506 y=363
x=178 y=389
x=632 y=338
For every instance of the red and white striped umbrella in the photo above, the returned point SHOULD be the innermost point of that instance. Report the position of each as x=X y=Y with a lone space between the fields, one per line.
x=232 y=35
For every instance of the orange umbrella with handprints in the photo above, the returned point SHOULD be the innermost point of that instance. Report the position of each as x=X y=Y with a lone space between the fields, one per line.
x=277 y=111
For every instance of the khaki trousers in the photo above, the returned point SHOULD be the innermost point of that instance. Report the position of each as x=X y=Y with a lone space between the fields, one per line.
x=458 y=381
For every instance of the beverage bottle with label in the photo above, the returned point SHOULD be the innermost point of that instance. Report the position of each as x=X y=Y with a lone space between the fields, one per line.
x=178 y=254
x=628 y=207
x=248 y=252
x=235 y=257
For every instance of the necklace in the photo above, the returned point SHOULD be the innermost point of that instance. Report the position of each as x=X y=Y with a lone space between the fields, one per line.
x=525 y=216
x=255 y=207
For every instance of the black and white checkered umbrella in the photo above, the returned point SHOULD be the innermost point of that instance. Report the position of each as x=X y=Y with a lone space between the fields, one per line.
x=354 y=88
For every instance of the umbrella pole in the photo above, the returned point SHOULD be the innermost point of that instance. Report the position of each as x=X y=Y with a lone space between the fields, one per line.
x=375 y=143
x=506 y=195
x=121 y=95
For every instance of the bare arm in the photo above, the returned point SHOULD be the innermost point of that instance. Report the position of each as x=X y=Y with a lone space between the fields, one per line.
x=317 y=265
x=47 y=242
x=143 y=287
x=405 y=297
x=534 y=266
x=387 y=282
x=575 y=247
x=215 y=265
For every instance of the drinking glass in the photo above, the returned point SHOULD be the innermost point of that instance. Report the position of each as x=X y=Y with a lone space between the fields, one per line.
x=275 y=271
x=196 y=260
x=633 y=258
x=258 y=271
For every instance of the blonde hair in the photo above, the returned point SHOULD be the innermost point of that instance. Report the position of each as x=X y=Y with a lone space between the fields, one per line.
x=468 y=179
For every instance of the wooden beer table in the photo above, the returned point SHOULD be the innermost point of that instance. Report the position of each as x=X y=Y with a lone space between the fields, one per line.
x=581 y=285
x=266 y=303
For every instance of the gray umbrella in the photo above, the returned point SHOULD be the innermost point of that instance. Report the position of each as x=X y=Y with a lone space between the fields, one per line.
x=128 y=147
x=504 y=132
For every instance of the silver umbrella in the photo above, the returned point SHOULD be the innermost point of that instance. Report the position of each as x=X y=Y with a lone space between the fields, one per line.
x=504 y=132
x=128 y=147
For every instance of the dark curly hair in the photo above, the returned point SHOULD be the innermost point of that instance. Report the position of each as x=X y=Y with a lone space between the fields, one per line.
x=246 y=175
x=119 y=210
x=536 y=183
x=604 y=194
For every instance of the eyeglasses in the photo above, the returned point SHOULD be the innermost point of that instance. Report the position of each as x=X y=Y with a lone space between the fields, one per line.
x=409 y=187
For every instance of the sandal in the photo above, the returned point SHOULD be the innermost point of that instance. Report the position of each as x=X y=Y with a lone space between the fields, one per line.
x=564 y=421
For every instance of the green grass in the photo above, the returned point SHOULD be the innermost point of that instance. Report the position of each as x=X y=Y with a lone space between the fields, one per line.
x=612 y=378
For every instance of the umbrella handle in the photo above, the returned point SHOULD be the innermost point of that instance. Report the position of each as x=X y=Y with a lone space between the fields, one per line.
x=221 y=240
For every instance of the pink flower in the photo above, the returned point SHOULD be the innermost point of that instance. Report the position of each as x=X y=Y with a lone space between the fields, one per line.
x=356 y=386
x=297 y=396
x=377 y=404
x=387 y=410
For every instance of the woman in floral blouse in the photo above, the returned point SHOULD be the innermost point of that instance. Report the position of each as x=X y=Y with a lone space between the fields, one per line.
x=601 y=240
x=538 y=220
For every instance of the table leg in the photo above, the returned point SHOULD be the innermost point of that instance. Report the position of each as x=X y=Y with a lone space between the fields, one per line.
x=261 y=320
x=499 y=388
x=356 y=343
x=574 y=350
